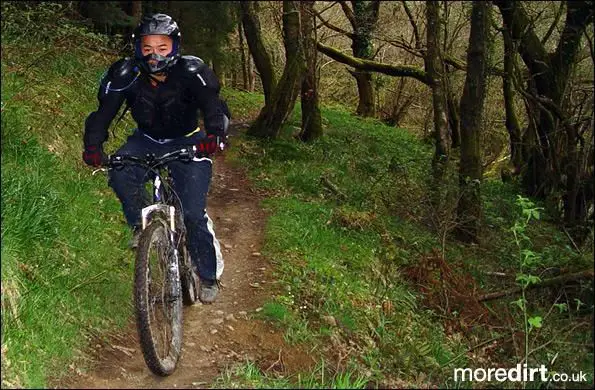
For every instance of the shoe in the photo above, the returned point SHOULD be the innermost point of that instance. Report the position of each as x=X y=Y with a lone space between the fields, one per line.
x=208 y=291
x=133 y=243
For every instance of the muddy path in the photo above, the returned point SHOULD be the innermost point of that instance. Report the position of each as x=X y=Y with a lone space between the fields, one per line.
x=215 y=336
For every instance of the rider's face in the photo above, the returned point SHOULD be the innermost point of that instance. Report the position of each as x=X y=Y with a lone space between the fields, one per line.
x=158 y=44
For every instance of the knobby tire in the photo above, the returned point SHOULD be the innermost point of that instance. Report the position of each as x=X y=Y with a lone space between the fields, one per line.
x=153 y=300
x=189 y=279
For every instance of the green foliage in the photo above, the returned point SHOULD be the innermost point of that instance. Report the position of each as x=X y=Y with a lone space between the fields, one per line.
x=46 y=23
x=206 y=27
x=346 y=156
x=65 y=267
x=347 y=214
x=108 y=16
x=539 y=326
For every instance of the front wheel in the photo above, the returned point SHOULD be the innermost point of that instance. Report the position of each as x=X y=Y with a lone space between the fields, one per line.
x=158 y=300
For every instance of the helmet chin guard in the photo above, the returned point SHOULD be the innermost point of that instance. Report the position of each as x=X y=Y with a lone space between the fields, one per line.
x=156 y=63
x=157 y=24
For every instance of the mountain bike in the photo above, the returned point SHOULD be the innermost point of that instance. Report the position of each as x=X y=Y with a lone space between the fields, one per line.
x=164 y=278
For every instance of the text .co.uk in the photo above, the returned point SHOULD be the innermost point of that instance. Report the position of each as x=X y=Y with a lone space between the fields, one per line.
x=519 y=373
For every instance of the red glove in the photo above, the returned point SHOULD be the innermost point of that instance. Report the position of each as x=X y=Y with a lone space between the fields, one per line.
x=207 y=145
x=93 y=156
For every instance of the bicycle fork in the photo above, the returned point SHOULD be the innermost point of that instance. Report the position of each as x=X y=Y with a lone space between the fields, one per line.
x=173 y=268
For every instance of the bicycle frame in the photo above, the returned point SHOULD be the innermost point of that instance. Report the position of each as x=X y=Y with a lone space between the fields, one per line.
x=146 y=212
x=161 y=197
x=158 y=188
x=163 y=234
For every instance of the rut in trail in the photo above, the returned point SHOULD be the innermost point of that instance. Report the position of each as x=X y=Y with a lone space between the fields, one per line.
x=215 y=336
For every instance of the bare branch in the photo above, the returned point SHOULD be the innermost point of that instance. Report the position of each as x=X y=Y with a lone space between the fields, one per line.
x=413 y=24
x=374 y=66
x=329 y=7
x=554 y=24
x=589 y=43
x=454 y=36
x=445 y=32
x=401 y=44
x=380 y=47
x=562 y=279
x=530 y=48
x=448 y=59
x=349 y=14
x=333 y=27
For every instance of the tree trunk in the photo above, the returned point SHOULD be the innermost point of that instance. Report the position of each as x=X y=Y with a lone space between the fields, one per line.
x=472 y=101
x=136 y=10
x=365 y=89
x=435 y=73
x=512 y=122
x=234 y=78
x=311 y=119
x=364 y=18
x=552 y=164
x=454 y=119
x=219 y=72
x=251 y=75
x=262 y=58
x=84 y=9
x=243 y=56
x=275 y=112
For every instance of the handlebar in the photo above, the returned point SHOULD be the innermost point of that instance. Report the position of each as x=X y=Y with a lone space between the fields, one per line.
x=151 y=161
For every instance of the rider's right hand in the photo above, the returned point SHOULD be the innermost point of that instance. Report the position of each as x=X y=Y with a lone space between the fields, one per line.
x=93 y=155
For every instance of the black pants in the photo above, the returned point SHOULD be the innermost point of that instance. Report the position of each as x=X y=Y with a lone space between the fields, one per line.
x=191 y=182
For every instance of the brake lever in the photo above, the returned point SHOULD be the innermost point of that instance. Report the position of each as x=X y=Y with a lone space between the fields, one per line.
x=221 y=142
x=189 y=154
x=98 y=170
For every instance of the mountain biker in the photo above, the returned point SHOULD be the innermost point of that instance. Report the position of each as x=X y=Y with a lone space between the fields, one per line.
x=164 y=91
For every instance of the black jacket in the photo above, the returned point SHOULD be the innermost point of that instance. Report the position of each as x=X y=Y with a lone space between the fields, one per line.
x=167 y=111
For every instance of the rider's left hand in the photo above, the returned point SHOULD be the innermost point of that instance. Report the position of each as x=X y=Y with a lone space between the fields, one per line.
x=208 y=145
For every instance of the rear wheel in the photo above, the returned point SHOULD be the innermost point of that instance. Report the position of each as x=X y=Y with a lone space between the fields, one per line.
x=189 y=278
x=158 y=300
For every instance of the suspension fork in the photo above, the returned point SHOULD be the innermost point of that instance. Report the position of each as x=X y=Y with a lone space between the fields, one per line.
x=173 y=267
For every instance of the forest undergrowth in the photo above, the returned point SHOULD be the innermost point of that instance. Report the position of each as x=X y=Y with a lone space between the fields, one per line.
x=374 y=276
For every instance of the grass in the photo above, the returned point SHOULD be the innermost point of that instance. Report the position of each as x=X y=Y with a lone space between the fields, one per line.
x=66 y=272
x=249 y=375
x=63 y=260
x=327 y=250
x=340 y=250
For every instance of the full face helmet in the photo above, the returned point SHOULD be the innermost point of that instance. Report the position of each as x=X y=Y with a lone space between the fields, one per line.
x=157 y=24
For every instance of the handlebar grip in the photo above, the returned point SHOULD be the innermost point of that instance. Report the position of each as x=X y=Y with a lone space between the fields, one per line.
x=113 y=160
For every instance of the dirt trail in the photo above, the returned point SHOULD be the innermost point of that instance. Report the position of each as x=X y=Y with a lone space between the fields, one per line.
x=217 y=335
